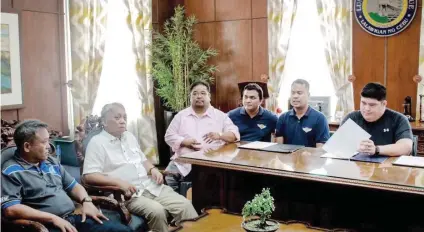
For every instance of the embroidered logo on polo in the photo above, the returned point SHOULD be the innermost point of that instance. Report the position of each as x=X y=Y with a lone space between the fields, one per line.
x=306 y=129
x=386 y=130
x=385 y=17
x=262 y=126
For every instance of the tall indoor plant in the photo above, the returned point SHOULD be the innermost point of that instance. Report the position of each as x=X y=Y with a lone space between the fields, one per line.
x=178 y=61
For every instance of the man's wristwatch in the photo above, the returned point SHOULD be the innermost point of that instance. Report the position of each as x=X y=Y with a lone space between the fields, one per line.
x=377 y=150
x=150 y=170
x=86 y=199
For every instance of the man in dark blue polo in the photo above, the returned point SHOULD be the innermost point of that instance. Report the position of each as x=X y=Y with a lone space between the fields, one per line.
x=35 y=186
x=254 y=122
x=302 y=125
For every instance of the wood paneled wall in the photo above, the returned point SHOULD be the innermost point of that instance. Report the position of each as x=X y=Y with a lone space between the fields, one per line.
x=42 y=46
x=238 y=29
x=392 y=61
x=161 y=11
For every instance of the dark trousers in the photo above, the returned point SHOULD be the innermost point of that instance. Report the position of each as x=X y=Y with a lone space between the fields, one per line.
x=90 y=225
x=179 y=185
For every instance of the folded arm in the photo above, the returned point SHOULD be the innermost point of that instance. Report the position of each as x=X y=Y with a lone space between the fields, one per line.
x=231 y=132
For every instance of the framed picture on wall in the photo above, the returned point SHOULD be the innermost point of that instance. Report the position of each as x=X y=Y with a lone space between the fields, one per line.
x=11 y=81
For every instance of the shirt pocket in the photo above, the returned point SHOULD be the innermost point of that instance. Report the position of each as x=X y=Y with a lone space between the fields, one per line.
x=117 y=159
x=136 y=154
x=187 y=127
x=30 y=191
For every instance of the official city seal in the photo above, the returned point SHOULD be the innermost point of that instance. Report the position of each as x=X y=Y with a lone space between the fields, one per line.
x=385 y=17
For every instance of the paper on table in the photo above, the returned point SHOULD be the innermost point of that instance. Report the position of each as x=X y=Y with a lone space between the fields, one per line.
x=257 y=145
x=344 y=143
x=331 y=155
x=410 y=161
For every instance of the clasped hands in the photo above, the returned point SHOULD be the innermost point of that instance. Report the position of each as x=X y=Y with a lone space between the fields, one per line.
x=196 y=145
x=367 y=146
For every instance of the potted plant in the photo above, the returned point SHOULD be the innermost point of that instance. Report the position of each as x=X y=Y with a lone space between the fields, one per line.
x=178 y=61
x=260 y=208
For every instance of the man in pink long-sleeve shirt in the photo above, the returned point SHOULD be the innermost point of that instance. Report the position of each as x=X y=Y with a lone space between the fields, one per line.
x=197 y=127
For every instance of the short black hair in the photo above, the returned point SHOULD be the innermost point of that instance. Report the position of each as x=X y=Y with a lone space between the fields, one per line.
x=301 y=82
x=374 y=90
x=254 y=86
x=196 y=83
x=26 y=130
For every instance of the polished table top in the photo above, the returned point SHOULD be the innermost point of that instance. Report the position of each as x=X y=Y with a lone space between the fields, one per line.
x=217 y=220
x=307 y=164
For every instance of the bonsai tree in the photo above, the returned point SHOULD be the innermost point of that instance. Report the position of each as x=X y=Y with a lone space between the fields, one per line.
x=262 y=206
x=178 y=61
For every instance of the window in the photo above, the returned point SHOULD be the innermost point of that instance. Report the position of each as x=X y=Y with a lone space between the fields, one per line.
x=118 y=79
x=306 y=58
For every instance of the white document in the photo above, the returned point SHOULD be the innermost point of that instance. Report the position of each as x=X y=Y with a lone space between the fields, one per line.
x=345 y=142
x=411 y=161
x=184 y=168
x=331 y=155
x=257 y=145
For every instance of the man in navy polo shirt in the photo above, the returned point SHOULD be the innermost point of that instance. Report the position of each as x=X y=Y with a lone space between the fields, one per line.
x=254 y=122
x=302 y=125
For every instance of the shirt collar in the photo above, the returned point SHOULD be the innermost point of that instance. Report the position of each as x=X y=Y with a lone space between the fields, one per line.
x=209 y=111
x=243 y=111
x=112 y=138
x=27 y=165
x=308 y=111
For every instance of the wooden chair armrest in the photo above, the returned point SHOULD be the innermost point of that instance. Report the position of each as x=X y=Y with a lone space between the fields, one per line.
x=101 y=190
x=105 y=202
x=25 y=225
x=112 y=204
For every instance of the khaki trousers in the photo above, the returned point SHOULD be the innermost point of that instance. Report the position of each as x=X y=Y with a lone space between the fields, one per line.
x=155 y=209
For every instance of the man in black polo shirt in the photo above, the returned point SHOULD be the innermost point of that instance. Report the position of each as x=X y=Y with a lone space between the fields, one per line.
x=35 y=187
x=390 y=131
x=254 y=122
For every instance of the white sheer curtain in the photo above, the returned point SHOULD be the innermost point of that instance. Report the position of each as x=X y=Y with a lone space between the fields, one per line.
x=306 y=57
x=336 y=28
x=119 y=80
x=280 y=21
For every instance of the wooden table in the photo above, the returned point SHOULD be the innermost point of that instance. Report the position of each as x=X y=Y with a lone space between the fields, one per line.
x=219 y=220
x=323 y=192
